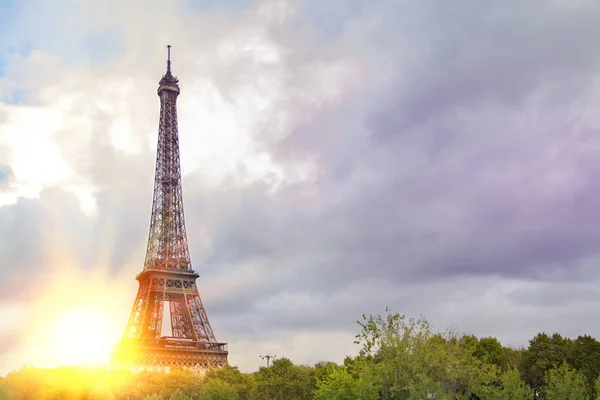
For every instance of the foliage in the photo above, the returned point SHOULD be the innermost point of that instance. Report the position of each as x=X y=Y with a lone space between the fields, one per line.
x=241 y=383
x=584 y=356
x=340 y=385
x=510 y=387
x=410 y=359
x=283 y=380
x=179 y=395
x=399 y=358
x=216 y=389
x=565 y=383
x=324 y=369
x=513 y=358
x=544 y=354
x=490 y=351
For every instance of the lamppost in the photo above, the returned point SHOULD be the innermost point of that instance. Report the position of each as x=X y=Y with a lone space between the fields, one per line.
x=268 y=358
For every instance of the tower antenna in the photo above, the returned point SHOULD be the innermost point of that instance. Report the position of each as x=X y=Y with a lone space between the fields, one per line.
x=168 y=59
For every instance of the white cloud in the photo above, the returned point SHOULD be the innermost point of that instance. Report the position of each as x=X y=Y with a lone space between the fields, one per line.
x=35 y=157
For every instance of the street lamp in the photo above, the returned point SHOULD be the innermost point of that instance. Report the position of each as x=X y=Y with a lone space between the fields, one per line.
x=268 y=358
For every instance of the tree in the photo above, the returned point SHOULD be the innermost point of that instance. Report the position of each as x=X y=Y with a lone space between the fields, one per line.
x=178 y=380
x=283 y=380
x=565 y=383
x=388 y=357
x=216 y=389
x=584 y=356
x=513 y=358
x=153 y=397
x=179 y=395
x=340 y=385
x=406 y=357
x=490 y=350
x=7 y=391
x=511 y=387
x=242 y=383
x=543 y=354
x=454 y=369
x=323 y=369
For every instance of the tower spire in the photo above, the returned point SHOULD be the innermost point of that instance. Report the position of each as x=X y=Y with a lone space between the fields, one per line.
x=168 y=59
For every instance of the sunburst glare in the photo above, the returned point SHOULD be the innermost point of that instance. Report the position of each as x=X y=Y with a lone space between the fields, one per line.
x=83 y=336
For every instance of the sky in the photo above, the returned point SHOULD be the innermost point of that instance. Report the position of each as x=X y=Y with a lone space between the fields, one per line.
x=338 y=157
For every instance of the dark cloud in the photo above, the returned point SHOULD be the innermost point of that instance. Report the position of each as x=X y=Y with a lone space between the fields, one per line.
x=465 y=162
x=488 y=54
x=475 y=165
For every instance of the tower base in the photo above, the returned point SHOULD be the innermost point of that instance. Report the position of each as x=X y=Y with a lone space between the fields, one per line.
x=167 y=352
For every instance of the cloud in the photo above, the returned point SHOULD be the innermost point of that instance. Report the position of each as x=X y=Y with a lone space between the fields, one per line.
x=439 y=161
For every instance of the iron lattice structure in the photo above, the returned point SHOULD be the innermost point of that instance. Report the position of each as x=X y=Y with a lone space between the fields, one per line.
x=168 y=280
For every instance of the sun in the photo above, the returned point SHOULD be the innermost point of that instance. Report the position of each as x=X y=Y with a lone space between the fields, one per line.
x=75 y=321
x=82 y=337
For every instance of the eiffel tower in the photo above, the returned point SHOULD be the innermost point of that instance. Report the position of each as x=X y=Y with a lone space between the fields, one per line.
x=168 y=281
